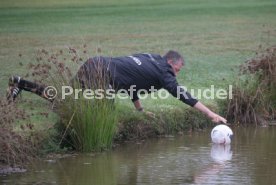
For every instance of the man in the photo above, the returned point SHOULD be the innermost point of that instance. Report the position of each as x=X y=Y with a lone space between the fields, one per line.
x=131 y=73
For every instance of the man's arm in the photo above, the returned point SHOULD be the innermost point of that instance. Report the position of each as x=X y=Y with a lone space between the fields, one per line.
x=213 y=116
x=172 y=86
x=199 y=106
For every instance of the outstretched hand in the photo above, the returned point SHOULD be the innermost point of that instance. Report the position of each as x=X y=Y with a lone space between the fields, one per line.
x=213 y=116
x=217 y=118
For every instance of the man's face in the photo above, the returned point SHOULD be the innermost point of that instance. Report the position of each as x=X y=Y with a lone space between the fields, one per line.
x=176 y=66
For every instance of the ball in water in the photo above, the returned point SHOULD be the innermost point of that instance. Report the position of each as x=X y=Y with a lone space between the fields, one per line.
x=221 y=134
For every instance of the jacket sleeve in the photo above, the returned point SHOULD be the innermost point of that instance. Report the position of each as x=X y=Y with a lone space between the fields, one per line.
x=134 y=96
x=171 y=85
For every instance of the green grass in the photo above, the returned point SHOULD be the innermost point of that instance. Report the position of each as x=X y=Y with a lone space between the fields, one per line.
x=214 y=36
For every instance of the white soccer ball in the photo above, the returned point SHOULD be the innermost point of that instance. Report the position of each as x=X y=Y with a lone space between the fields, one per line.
x=221 y=134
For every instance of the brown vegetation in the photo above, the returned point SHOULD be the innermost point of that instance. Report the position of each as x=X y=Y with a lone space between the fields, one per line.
x=254 y=94
x=16 y=148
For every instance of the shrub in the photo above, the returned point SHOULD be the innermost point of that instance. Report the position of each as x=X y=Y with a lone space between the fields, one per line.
x=254 y=93
x=16 y=146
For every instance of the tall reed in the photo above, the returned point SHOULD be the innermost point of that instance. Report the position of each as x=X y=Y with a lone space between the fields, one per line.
x=90 y=124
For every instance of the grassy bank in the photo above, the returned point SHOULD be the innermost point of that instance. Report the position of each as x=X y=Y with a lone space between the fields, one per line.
x=214 y=36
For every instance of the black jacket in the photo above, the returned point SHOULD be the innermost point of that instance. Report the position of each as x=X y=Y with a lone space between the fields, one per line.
x=143 y=71
x=146 y=70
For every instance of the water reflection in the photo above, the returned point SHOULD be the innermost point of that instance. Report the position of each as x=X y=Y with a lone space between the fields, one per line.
x=220 y=155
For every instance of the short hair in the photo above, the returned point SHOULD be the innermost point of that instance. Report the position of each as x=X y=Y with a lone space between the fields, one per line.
x=174 y=56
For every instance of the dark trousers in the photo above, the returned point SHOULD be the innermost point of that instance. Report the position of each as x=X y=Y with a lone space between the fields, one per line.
x=93 y=74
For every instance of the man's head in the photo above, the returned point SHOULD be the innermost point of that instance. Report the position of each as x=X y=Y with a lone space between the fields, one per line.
x=175 y=60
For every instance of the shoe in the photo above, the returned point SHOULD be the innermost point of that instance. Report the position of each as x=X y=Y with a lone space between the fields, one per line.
x=14 y=80
x=13 y=90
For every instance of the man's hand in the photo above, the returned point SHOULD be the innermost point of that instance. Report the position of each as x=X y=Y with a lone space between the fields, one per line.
x=150 y=114
x=217 y=118
x=139 y=108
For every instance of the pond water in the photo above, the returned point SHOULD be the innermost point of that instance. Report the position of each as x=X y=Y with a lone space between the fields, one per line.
x=187 y=159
